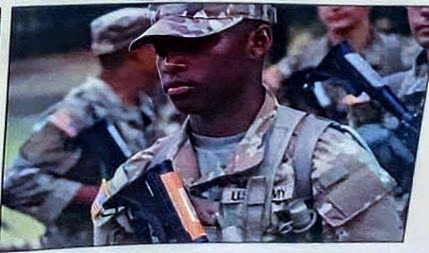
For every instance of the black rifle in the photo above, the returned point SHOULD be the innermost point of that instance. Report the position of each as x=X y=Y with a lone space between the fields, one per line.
x=160 y=205
x=357 y=76
x=104 y=141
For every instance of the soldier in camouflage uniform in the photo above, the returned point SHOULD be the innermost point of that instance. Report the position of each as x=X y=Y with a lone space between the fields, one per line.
x=387 y=54
x=56 y=181
x=255 y=170
x=410 y=87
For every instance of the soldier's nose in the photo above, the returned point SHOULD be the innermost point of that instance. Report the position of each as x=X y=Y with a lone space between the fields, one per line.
x=173 y=63
x=425 y=11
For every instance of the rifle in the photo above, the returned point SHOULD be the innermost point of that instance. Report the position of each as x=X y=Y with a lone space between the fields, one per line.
x=104 y=140
x=159 y=203
x=357 y=77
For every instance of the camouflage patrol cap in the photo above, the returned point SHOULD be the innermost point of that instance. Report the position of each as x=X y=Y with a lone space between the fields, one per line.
x=193 y=20
x=115 y=30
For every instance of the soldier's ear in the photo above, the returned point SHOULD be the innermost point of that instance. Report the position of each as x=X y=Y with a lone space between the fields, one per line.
x=142 y=54
x=259 y=41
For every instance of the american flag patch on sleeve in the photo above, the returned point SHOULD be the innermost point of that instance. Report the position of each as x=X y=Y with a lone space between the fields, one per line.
x=100 y=199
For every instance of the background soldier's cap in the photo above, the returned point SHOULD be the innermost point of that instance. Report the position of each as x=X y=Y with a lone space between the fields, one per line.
x=115 y=30
x=193 y=20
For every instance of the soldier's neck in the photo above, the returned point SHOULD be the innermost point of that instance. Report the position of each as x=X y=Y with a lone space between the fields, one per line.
x=124 y=88
x=358 y=36
x=230 y=119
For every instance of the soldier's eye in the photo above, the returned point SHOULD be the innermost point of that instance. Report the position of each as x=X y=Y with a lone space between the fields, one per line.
x=160 y=50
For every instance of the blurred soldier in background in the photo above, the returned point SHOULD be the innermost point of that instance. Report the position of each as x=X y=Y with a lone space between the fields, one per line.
x=55 y=180
x=410 y=87
x=383 y=53
x=256 y=171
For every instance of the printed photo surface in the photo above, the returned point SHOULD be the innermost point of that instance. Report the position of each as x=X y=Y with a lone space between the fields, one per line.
x=287 y=125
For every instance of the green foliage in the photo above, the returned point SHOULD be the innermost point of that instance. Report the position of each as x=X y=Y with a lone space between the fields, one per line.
x=18 y=230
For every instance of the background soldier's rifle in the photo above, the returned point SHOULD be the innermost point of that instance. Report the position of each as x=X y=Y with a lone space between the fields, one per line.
x=104 y=141
x=358 y=77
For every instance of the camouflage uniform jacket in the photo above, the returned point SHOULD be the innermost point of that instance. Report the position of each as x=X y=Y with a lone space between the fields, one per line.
x=386 y=54
x=350 y=190
x=53 y=170
x=383 y=53
x=410 y=86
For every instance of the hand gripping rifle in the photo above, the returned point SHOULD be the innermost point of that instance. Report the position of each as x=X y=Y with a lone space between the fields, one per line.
x=159 y=205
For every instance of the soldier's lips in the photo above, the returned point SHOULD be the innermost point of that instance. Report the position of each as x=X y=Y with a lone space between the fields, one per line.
x=422 y=28
x=181 y=90
x=337 y=17
x=177 y=87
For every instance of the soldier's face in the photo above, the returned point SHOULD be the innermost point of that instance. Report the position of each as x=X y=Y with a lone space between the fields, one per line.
x=418 y=18
x=342 y=17
x=201 y=75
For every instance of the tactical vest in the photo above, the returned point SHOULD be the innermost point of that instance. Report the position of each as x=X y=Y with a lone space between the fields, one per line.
x=248 y=216
x=244 y=214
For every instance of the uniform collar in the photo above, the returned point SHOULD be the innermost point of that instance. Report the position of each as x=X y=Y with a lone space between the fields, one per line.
x=420 y=66
x=416 y=79
x=248 y=155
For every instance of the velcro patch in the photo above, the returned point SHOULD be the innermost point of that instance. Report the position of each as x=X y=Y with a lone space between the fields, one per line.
x=332 y=176
x=350 y=198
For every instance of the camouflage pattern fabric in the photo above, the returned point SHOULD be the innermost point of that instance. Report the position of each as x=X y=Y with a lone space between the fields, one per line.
x=114 y=31
x=410 y=87
x=385 y=53
x=193 y=20
x=49 y=171
x=351 y=192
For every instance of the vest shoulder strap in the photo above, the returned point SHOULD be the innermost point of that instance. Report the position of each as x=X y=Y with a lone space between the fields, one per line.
x=307 y=134
x=257 y=205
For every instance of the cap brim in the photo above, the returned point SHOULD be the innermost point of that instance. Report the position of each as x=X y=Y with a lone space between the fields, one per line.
x=183 y=27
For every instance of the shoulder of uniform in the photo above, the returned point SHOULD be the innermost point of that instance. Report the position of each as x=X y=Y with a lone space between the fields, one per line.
x=395 y=80
x=347 y=179
x=76 y=110
x=67 y=121
x=391 y=40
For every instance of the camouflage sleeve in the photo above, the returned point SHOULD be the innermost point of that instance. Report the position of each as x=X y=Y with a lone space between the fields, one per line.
x=394 y=81
x=288 y=65
x=352 y=193
x=112 y=226
x=34 y=185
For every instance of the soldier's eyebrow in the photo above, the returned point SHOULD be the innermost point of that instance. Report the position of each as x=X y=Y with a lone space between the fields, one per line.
x=179 y=44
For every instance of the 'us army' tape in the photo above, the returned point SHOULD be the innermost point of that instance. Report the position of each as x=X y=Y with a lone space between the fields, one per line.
x=237 y=195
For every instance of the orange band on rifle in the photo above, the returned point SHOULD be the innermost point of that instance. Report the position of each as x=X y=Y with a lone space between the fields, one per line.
x=183 y=205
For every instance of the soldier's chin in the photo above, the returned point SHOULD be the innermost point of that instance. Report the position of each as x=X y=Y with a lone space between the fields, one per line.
x=423 y=40
x=185 y=106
